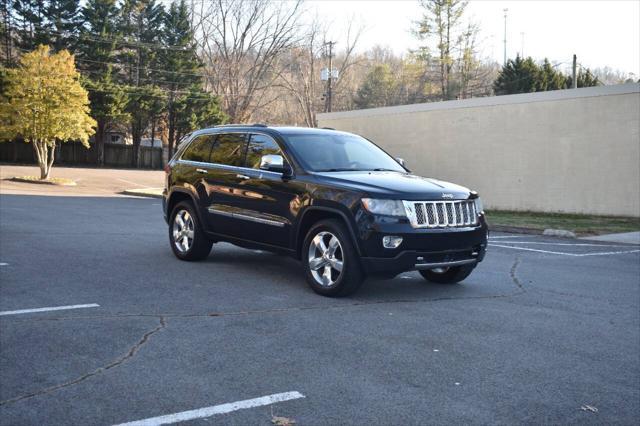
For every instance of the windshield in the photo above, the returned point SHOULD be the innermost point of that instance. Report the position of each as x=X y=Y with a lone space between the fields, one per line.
x=339 y=153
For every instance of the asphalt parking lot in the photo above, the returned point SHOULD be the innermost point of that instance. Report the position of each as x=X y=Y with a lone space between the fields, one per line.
x=544 y=331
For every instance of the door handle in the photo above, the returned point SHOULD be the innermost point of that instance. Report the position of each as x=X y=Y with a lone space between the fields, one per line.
x=203 y=171
x=242 y=176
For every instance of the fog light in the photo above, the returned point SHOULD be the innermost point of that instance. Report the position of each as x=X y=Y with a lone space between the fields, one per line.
x=391 y=241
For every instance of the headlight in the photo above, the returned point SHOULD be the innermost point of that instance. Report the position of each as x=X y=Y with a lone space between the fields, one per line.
x=384 y=207
x=479 y=206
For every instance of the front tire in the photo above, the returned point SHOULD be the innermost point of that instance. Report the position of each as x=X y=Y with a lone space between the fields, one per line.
x=330 y=260
x=187 y=238
x=451 y=275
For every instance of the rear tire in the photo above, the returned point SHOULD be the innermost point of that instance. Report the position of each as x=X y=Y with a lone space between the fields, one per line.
x=451 y=275
x=187 y=238
x=331 y=262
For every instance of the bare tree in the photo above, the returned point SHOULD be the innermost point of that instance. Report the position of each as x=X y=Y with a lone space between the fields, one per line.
x=468 y=62
x=241 y=43
x=301 y=75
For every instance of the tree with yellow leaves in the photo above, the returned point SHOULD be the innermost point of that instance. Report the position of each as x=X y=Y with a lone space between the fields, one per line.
x=44 y=104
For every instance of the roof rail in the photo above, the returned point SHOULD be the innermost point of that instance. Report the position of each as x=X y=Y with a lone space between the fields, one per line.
x=327 y=128
x=242 y=125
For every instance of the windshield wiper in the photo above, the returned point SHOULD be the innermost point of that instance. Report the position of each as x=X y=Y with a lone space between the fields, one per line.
x=339 y=170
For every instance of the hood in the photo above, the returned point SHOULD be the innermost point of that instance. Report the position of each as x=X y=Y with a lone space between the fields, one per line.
x=394 y=185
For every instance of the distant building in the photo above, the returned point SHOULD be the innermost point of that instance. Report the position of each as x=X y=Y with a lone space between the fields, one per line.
x=119 y=138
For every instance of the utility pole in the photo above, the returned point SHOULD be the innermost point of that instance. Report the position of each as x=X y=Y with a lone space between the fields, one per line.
x=522 y=44
x=574 y=81
x=505 y=10
x=327 y=107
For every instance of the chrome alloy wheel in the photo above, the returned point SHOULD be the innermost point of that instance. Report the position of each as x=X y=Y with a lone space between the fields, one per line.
x=325 y=258
x=183 y=231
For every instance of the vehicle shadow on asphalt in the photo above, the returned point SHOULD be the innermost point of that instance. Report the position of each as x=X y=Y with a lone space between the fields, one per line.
x=287 y=274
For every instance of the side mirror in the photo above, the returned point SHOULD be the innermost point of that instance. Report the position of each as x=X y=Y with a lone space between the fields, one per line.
x=401 y=161
x=272 y=163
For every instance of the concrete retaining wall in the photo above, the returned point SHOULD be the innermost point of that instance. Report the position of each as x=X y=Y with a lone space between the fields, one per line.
x=572 y=151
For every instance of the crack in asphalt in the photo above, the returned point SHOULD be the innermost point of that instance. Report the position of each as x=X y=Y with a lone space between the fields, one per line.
x=163 y=323
x=130 y=354
x=512 y=274
x=514 y=277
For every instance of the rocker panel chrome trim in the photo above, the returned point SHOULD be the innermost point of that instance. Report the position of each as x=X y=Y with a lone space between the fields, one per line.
x=246 y=217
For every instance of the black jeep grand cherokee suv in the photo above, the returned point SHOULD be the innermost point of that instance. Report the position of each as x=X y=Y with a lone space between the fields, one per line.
x=332 y=199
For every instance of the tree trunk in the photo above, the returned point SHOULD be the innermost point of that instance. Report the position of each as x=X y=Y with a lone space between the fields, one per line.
x=50 y=157
x=136 y=135
x=100 y=142
x=172 y=127
x=153 y=138
x=40 y=149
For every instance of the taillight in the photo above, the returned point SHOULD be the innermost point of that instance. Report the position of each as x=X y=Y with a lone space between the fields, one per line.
x=167 y=168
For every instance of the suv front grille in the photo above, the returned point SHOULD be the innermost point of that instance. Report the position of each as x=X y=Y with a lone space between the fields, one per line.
x=441 y=214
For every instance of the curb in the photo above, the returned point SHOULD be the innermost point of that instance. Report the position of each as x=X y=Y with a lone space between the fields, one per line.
x=42 y=182
x=143 y=193
x=532 y=231
x=514 y=229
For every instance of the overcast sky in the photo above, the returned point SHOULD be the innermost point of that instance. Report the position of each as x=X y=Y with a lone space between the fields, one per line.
x=600 y=33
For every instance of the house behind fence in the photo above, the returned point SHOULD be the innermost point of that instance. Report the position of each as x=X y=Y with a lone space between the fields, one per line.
x=573 y=151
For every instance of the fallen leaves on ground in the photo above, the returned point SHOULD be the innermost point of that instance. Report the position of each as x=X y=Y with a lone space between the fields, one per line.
x=282 y=421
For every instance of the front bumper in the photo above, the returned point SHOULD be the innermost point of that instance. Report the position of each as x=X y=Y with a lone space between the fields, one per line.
x=413 y=260
x=420 y=248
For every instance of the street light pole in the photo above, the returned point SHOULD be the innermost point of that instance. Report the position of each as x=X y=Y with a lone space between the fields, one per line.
x=505 y=35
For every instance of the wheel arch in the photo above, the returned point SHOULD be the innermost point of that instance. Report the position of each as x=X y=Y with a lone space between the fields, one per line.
x=313 y=215
x=178 y=195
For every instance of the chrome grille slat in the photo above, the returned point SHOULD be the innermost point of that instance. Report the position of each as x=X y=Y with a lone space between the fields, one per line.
x=441 y=214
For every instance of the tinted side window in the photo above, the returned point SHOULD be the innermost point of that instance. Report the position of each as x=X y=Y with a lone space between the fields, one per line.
x=260 y=145
x=199 y=149
x=229 y=149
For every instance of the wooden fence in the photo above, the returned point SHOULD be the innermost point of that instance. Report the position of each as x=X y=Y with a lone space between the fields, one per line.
x=73 y=153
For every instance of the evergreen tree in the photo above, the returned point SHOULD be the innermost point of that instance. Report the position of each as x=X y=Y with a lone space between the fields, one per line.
x=195 y=109
x=30 y=22
x=6 y=32
x=63 y=22
x=140 y=27
x=108 y=102
x=585 y=79
x=183 y=72
x=524 y=76
x=518 y=76
x=96 y=54
x=550 y=78
x=98 y=36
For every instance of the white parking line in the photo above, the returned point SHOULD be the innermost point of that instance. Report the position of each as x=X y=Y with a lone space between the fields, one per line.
x=132 y=183
x=566 y=254
x=500 y=237
x=216 y=409
x=52 y=308
x=568 y=244
x=4 y=264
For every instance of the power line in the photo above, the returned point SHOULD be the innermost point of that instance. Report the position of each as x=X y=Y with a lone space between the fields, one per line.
x=116 y=38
